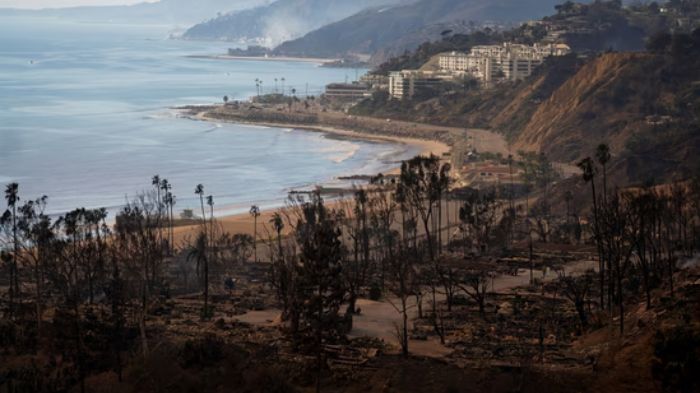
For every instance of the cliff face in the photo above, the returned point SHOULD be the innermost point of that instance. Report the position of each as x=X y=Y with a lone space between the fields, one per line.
x=586 y=110
x=645 y=106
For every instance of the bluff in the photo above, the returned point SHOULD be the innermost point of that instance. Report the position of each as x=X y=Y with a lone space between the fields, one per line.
x=646 y=106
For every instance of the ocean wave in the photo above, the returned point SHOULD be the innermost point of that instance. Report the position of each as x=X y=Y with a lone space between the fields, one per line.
x=339 y=152
x=344 y=155
x=216 y=127
x=163 y=115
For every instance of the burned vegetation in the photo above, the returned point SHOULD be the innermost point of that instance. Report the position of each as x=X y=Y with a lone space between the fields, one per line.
x=409 y=284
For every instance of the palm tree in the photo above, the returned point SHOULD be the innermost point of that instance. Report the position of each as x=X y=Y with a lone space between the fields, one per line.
x=278 y=224
x=589 y=171
x=159 y=205
x=12 y=198
x=199 y=190
x=294 y=98
x=170 y=200
x=255 y=212
x=167 y=201
x=603 y=155
x=276 y=85
x=225 y=100
x=283 y=80
x=210 y=202
x=156 y=183
x=257 y=86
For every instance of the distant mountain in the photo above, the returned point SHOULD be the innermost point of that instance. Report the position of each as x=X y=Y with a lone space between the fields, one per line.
x=280 y=21
x=386 y=27
x=165 y=11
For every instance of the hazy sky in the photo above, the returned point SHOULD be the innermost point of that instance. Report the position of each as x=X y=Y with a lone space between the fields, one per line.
x=62 y=3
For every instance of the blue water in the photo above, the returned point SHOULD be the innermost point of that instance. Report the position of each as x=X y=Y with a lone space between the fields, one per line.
x=85 y=119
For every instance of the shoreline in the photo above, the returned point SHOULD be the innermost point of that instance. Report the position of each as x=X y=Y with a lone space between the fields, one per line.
x=242 y=222
x=313 y=60
x=425 y=146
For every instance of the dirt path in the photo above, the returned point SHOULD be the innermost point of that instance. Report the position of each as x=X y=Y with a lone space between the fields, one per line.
x=380 y=319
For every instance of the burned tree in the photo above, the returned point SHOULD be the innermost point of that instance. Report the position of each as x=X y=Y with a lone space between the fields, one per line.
x=475 y=284
x=576 y=289
x=420 y=185
x=403 y=275
x=478 y=215
x=319 y=286
x=356 y=266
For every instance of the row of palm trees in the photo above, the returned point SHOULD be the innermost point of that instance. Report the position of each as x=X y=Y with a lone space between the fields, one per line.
x=259 y=86
x=205 y=241
x=166 y=201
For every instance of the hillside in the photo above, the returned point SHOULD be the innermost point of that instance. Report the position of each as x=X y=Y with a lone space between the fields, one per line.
x=279 y=21
x=602 y=101
x=601 y=26
x=506 y=107
x=379 y=28
x=586 y=28
x=162 y=12
x=646 y=106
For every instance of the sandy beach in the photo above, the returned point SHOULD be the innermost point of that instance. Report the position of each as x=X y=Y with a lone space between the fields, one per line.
x=244 y=223
x=238 y=223
x=426 y=138
x=426 y=147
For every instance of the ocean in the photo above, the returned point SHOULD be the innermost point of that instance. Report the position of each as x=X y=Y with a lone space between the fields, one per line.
x=85 y=119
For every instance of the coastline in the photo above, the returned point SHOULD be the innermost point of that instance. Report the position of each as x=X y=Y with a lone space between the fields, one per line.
x=426 y=147
x=243 y=222
x=313 y=60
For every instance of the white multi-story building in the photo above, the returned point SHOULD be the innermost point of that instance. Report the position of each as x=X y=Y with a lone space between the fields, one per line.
x=509 y=61
x=347 y=91
x=408 y=83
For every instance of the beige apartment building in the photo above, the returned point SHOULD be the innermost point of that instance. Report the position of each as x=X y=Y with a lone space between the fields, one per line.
x=509 y=61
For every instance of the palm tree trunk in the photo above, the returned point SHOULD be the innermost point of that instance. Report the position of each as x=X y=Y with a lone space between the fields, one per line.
x=601 y=261
x=211 y=223
x=439 y=226
x=37 y=277
x=279 y=243
x=206 y=289
x=14 y=281
x=404 y=336
x=172 y=232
